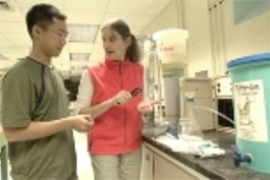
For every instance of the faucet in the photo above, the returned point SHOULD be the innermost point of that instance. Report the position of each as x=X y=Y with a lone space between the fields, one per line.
x=239 y=158
x=173 y=132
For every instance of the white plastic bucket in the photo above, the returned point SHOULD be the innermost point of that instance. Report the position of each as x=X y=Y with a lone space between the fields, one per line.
x=171 y=45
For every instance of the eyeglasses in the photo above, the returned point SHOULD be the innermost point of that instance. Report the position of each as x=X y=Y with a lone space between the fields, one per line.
x=60 y=34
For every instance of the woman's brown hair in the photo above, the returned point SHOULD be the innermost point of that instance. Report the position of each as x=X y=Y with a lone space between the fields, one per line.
x=122 y=28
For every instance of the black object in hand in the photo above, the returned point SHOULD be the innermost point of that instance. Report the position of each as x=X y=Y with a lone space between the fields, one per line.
x=135 y=92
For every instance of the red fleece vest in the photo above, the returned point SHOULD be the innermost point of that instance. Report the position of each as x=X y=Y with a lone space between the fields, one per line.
x=119 y=129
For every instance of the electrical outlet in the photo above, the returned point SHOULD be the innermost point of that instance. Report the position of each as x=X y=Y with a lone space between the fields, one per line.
x=223 y=86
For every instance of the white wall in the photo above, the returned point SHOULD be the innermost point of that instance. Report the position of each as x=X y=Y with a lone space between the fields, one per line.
x=196 y=18
x=170 y=17
x=249 y=37
x=190 y=18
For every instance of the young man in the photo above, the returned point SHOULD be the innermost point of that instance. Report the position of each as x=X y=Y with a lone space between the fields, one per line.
x=35 y=105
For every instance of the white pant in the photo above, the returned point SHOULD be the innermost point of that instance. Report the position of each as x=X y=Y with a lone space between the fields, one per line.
x=117 y=167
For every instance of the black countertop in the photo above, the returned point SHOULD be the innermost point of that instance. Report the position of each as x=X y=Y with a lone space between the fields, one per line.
x=217 y=168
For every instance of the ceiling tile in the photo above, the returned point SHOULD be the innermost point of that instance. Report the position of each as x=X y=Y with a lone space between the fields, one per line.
x=144 y=20
x=63 y=57
x=15 y=42
x=97 y=53
x=13 y=53
x=79 y=47
x=99 y=38
x=10 y=27
x=136 y=30
x=130 y=19
x=86 y=5
x=128 y=6
x=84 y=17
x=155 y=8
x=96 y=58
x=57 y=3
x=82 y=33
x=98 y=50
x=4 y=42
x=27 y=4
x=3 y=58
x=19 y=39
x=8 y=17
x=79 y=56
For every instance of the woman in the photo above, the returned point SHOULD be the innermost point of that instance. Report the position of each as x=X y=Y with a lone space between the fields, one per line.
x=112 y=93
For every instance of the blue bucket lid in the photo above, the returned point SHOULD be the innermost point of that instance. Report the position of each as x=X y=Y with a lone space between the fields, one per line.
x=258 y=58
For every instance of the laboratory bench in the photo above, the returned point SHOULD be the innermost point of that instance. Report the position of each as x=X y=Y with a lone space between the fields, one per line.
x=160 y=162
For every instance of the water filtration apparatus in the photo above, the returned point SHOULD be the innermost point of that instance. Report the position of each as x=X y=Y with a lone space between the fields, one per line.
x=251 y=87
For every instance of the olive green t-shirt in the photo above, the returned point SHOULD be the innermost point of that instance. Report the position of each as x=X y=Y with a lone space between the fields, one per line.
x=48 y=158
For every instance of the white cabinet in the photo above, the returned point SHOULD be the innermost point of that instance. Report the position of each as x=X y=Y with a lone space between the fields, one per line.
x=165 y=170
x=156 y=165
x=147 y=164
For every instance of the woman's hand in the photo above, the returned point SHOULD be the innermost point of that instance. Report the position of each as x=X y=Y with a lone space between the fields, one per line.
x=121 y=98
x=146 y=106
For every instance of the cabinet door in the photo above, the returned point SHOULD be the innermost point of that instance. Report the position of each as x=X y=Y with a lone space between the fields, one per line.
x=147 y=164
x=165 y=170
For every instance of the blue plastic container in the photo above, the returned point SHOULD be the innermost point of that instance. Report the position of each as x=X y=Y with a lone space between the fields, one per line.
x=251 y=91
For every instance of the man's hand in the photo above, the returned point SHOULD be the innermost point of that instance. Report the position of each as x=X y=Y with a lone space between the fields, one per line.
x=81 y=123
